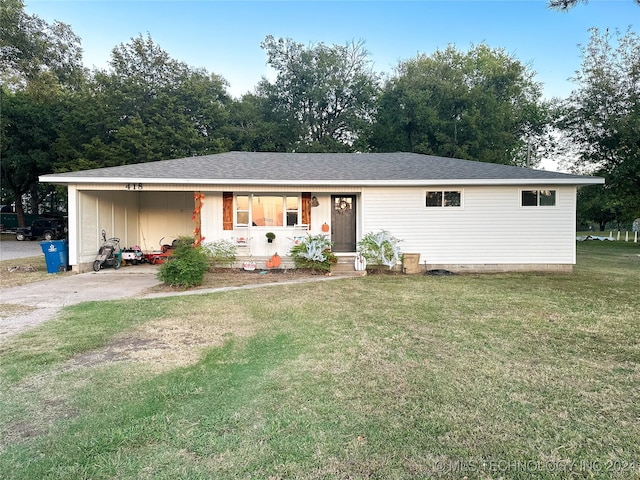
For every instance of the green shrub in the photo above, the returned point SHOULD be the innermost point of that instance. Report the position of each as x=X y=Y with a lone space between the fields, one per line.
x=314 y=252
x=221 y=252
x=187 y=266
x=380 y=248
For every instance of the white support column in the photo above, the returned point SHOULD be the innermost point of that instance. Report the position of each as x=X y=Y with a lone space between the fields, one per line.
x=72 y=222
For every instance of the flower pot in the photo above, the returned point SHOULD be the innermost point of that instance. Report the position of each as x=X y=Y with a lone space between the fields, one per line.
x=411 y=263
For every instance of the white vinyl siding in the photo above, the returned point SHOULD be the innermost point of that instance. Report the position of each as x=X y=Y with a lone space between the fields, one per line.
x=492 y=228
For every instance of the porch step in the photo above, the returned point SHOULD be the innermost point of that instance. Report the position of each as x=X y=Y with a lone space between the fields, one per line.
x=286 y=263
x=345 y=264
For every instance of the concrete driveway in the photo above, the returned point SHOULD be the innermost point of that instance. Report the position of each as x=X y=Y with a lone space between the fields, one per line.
x=49 y=296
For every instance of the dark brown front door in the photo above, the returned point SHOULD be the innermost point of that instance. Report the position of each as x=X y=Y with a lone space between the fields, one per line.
x=343 y=223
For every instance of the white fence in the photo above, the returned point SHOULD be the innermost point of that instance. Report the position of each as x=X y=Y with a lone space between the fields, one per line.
x=626 y=236
x=611 y=237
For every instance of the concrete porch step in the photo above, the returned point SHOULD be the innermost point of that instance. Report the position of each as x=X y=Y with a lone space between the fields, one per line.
x=345 y=264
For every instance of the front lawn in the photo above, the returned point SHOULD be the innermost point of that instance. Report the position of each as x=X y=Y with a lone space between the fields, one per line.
x=484 y=376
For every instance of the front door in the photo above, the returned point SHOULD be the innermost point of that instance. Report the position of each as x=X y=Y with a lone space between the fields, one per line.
x=343 y=223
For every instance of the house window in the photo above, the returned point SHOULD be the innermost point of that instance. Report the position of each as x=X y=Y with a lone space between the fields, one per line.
x=267 y=210
x=444 y=198
x=538 y=198
x=242 y=210
x=291 y=204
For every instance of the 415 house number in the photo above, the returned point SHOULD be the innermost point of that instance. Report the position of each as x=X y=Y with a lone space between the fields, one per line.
x=133 y=186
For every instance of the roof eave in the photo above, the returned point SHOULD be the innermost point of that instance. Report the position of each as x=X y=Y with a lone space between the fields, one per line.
x=65 y=180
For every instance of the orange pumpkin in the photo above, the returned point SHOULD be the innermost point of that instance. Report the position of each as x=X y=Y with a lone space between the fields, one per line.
x=325 y=227
x=274 y=261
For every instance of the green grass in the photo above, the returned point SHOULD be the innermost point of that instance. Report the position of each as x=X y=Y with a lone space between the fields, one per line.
x=483 y=376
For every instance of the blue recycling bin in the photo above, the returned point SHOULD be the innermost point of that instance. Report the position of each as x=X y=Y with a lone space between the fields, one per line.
x=56 y=254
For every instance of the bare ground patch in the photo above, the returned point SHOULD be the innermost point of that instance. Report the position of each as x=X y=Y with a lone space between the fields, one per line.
x=165 y=343
x=13 y=310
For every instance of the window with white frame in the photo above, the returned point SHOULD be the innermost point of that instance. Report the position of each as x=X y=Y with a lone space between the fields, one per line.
x=292 y=205
x=443 y=198
x=263 y=210
x=538 y=198
x=242 y=210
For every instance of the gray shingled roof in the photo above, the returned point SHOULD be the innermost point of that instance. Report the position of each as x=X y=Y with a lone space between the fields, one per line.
x=330 y=168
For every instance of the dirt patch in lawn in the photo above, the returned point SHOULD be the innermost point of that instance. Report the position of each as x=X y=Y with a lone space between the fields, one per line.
x=165 y=344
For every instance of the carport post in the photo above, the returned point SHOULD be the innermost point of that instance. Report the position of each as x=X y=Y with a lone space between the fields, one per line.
x=198 y=199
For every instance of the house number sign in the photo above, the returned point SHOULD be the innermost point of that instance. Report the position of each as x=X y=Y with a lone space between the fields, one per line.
x=133 y=186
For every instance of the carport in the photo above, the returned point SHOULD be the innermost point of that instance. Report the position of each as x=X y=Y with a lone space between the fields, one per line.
x=142 y=217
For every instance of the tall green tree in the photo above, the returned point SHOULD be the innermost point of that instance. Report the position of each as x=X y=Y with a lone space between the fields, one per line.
x=481 y=105
x=40 y=64
x=148 y=106
x=253 y=127
x=27 y=130
x=598 y=204
x=34 y=53
x=323 y=94
x=602 y=115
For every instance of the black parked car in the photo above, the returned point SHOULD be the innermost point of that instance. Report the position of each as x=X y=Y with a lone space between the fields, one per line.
x=47 y=228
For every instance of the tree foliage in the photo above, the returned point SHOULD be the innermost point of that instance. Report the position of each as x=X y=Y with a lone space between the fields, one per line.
x=602 y=116
x=149 y=106
x=40 y=64
x=598 y=204
x=324 y=95
x=566 y=5
x=34 y=53
x=26 y=134
x=482 y=105
x=254 y=127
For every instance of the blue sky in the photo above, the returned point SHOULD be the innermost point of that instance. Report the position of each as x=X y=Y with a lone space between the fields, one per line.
x=224 y=36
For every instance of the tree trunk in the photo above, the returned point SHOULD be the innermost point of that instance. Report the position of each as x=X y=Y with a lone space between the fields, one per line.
x=34 y=201
x=17 y=197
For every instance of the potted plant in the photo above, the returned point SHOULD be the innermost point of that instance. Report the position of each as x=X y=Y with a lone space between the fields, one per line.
x=270 y=237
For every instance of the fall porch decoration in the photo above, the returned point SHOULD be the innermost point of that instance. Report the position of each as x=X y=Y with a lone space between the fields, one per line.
x=274 y=261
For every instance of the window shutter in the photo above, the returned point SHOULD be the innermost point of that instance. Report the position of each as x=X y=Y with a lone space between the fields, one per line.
x=227 y=210
x=306 y=208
